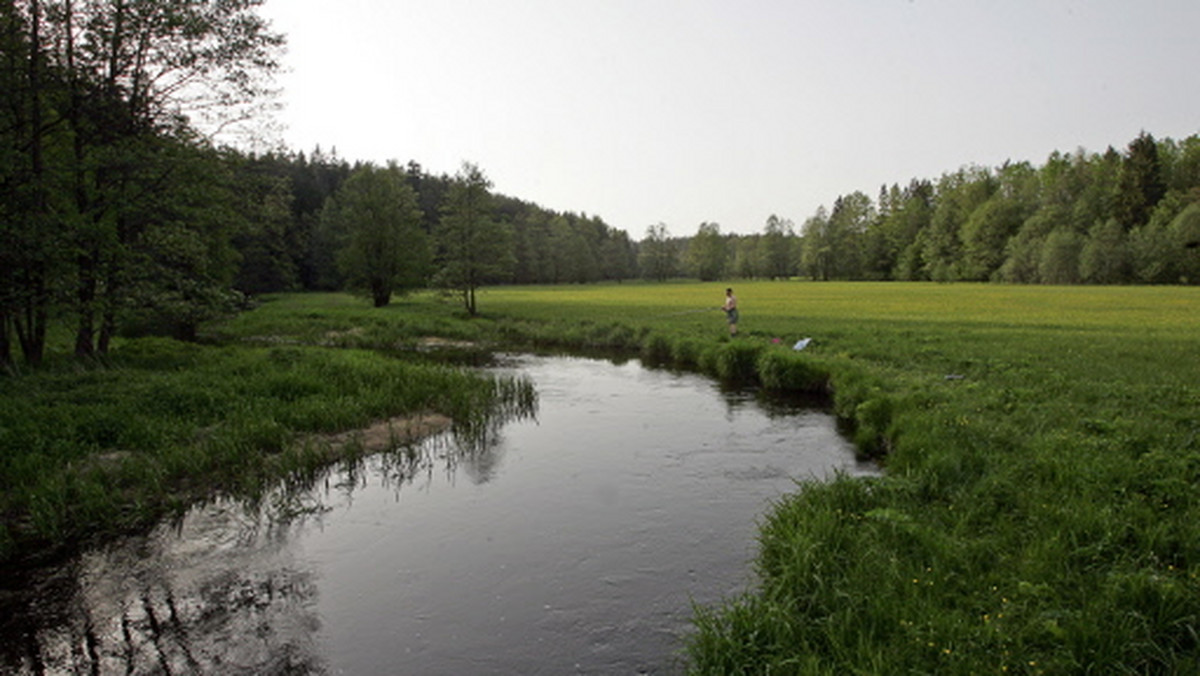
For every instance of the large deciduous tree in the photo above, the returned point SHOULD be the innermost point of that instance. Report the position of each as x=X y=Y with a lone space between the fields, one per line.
x=776 y=248
x=473 y=247
x=385 y=250
x=1141 y=184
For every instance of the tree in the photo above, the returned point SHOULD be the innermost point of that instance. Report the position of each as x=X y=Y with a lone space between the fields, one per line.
x=903 y=227
x=1105 y=257
x=776 y=248
x=816 y=256
x=985 y=234
x=1141 y=183
x=1059 y=261
x=111 y=91
x=268 y=242
x=706 y=253
x=1022 y=254
x=847 y=228
x=618 y=257
x=657 y=254
x=747 y=263
x=385 y=250
x=1183 y=235
x=958 y=195
x=473 y=248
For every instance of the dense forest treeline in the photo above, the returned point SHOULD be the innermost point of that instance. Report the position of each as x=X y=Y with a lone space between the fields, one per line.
x=117 y=213
x=1107 y=218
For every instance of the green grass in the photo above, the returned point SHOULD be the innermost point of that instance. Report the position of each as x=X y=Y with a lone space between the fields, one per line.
x=90 y=451
x=1039 y=510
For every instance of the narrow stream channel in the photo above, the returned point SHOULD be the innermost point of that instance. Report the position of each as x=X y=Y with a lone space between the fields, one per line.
x=573 y=543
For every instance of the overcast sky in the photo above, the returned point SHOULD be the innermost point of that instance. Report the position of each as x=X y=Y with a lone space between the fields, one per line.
x=683 y=111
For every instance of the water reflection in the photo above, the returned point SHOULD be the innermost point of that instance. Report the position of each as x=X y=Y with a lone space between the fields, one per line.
x=219 y=591
x=570 y=543
x=218 y=594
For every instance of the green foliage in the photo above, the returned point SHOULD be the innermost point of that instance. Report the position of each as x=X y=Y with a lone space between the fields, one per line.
x=706 y=253
x=1016 y=223
x=473 y=248
x=1141 y=182
x=786 y=371
x=114 y=202
x=385 y=251
x=658 y=256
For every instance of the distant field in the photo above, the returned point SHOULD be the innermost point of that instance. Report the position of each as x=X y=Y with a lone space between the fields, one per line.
x=781 y=306
x=1138 y=335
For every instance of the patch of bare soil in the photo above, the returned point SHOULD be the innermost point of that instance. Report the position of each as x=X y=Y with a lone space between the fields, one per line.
x=436 y=343
x=387 y=434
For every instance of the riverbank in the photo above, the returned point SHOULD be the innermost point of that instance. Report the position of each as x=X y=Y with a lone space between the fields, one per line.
x=94 y=450
x=1039 y=510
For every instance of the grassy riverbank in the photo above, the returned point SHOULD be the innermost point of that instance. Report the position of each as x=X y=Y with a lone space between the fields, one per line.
x=1041 y=507
x=1040 y=512
x=91 y=450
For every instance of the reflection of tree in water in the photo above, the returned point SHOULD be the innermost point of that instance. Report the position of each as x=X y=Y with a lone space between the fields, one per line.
x=218 y=592
x=216 y=595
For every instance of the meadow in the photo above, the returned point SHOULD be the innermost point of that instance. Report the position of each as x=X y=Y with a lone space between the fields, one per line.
x=1039 y=510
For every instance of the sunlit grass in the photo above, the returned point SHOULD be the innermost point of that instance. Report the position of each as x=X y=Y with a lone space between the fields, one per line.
x=1039 y=513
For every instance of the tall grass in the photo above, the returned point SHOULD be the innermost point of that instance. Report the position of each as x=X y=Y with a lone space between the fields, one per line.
x=93 y=451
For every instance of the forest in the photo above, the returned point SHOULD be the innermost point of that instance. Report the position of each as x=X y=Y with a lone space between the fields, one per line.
x=122 y=213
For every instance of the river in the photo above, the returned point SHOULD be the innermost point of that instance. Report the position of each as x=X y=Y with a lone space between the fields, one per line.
x=573 y=542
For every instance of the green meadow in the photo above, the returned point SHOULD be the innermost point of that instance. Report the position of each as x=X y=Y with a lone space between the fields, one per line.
x=1040 y=508
x=1039 y=511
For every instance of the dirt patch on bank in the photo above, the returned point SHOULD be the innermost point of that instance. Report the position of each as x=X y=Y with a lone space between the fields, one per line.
x=388 y=434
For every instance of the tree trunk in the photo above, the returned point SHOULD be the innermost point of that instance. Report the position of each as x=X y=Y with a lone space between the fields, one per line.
x=30 y=322
x=31 y=328
x=108 y=327
x=380 y=294
x=6 y=360
x=85 y=296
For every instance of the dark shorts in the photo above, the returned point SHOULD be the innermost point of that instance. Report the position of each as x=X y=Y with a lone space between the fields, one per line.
x=732 y=316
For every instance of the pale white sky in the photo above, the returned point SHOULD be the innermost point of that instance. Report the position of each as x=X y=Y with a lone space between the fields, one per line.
x=683 y=111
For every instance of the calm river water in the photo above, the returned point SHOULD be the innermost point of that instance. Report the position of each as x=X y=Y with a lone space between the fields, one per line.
x=573 y=543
